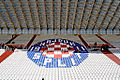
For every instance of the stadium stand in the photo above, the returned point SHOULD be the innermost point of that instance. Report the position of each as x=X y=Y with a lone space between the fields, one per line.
x=47 y=36
x=5 y=55
x=104 y=40
x=23 y=39
x=97 y=66
x=30 y=42
x=113 y=39
x=115 y=51
x=4 y=38
x=2 y=51
x=91 y=39
x=59 y=39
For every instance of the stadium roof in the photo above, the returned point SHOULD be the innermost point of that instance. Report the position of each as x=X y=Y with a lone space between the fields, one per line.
x=57 y=15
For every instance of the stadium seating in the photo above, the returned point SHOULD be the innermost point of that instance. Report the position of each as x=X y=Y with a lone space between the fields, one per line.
x=23 y=39
x=4 y=38
x=96 y=67
x=2 y=51
x=91 y=39
x=113 y=39
x=18 y=66
x=45 y=37
x=115 y=51
x=59 y=39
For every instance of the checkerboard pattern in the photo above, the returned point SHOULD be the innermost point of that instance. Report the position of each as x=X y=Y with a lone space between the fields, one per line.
x=57 y=50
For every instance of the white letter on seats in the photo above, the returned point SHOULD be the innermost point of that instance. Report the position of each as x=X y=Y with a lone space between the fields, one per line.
x=78 y=54
x=59 y=63
x=36 y=56
x=47 y=60
x=73 y=62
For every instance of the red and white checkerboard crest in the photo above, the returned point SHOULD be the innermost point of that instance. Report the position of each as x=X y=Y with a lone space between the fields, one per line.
x=57 y=50
x=57 y=53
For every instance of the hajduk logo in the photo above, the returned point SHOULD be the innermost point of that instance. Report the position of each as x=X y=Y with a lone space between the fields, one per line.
x=57 y=53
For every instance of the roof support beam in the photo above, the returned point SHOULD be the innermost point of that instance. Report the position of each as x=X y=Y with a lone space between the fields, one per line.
x=116 y=24
x=34 y=13
x=113 y=16
x=60 y=15
x=32 y=17
x=74 y=27
x=83 y=15
x=38 y=13
x=46 y=14
x=68 y=14
x=56 y=13
x=9 y=15
x=24 y=14
x=78 y=14
x=16 y=13
x=4 y=21
x=49 y=13
x=42 y=13
x=88 y=21
x=99 y=11
x=53 y=14
x=63 y=14
x=106 y=14
x=74 y=13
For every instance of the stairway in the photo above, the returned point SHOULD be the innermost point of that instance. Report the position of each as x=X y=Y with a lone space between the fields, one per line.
x=11 y=39
x=111 y=56
x=30 y=42
x=104 y=40
x=5 y=55
x=84 y=42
